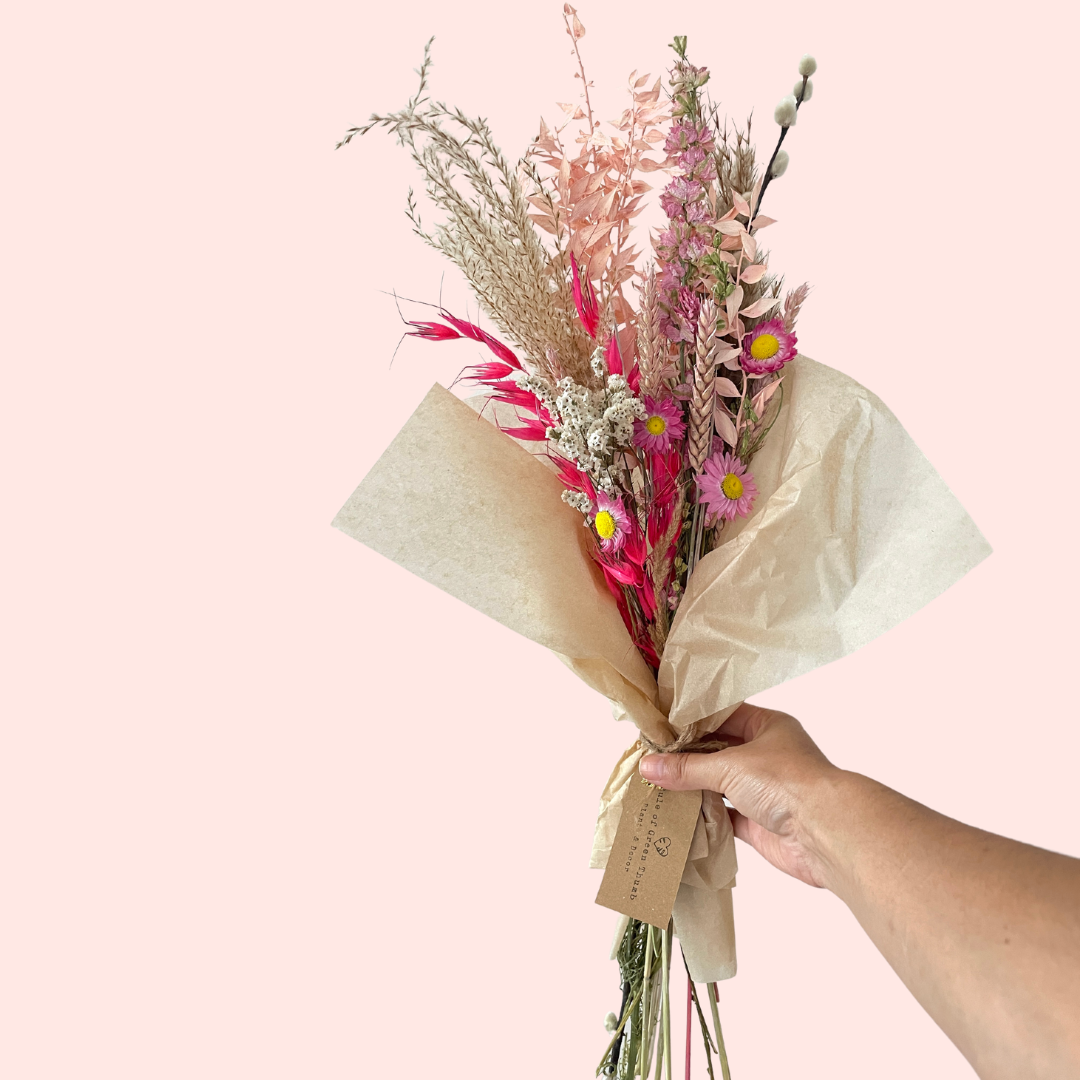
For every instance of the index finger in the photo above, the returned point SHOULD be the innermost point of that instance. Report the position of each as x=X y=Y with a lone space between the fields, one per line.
x=745 y=722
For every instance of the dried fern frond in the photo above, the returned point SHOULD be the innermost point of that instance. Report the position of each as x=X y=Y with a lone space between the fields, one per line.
x=488 y=234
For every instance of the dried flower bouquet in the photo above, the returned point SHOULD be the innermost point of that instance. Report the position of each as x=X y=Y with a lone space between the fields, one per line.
x=649 y=383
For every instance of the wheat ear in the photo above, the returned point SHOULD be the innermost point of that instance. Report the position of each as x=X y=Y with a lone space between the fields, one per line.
x=699 y=436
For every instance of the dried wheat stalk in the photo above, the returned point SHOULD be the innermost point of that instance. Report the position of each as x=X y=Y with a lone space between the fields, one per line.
x=700 y=429
x=653 y=351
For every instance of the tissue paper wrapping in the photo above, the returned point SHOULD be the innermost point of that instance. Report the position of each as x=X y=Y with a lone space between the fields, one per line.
x=852 y=532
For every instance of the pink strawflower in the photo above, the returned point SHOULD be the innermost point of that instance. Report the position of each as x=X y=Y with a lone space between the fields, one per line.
x=611 y=522
x=663 y=424
x=725 y=487
x=768 y=347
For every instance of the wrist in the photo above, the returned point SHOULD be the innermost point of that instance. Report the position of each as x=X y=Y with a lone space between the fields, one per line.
x=834 y=809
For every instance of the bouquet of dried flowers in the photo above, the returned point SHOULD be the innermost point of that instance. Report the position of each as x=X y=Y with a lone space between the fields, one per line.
x=648 y=381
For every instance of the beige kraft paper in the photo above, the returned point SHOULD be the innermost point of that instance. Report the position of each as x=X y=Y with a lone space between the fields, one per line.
x=852 y=532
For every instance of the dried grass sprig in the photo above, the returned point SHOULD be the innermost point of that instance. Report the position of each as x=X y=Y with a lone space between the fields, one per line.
x=793 y=303
x=489 y=235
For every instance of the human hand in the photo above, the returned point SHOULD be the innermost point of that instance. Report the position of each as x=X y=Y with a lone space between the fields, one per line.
x=775 y=777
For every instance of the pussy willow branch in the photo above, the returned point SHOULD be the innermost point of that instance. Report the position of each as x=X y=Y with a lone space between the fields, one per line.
x=779 y=142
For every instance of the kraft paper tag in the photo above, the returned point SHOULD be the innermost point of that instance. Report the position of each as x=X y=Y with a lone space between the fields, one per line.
x=649 y=853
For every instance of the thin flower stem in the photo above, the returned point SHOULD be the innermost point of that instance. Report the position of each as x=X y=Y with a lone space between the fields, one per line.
x=646 y=1004
x=619 y=1030
x=581 y=68
x=689 y=1022
x=714 y=995
x=667 y=1002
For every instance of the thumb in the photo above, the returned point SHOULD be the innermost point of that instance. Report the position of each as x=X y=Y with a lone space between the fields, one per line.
x=685 y=772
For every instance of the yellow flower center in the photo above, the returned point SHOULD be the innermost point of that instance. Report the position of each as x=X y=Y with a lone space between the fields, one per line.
x=605 y=524
x=656 y=425
x=764 y=347
x=731 y=485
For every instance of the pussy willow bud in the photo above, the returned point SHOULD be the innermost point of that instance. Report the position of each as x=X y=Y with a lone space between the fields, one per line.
x=807 y=65
x=611 y=1022
x=786 y=111
x=809 y=89
x=780 y=164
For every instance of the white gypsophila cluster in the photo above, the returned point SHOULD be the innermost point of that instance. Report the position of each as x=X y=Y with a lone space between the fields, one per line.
x=589 y=426
x=578 y=500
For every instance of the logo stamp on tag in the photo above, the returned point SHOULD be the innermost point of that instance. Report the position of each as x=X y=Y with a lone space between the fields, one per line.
x=649 y=853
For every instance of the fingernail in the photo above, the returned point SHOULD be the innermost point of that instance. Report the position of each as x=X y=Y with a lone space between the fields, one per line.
x=653 y=767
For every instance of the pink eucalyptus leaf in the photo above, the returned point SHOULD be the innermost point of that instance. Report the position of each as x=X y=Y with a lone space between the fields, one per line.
x=732 y=303
x=756 y=193
x=730 y=228
x=753 y=273
x=759 y=307
x=734 y=363
x=741 y=205
x=761 y=398
x=725 y=387
x=731 y=243
x=546 y=223
x=724 y=355
x=725 y=428
x=749 y=245
x=763 y=222
x=640 y=82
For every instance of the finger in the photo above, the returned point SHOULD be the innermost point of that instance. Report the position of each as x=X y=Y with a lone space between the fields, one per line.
x=686 y=772
x=745 y=721
x=740 y=823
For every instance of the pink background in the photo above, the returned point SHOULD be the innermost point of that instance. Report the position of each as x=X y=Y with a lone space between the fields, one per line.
x=253 y=776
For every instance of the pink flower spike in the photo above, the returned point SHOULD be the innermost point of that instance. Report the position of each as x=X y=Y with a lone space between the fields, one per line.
x=432 y=331
x=767 y=348
x=663 y=425
x=613 y=356
x=611 y=522
x=471 y=330
x=725 y=488
x=585 y=300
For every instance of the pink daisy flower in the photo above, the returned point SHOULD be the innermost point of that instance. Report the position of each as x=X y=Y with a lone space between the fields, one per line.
x=725 y=487
x=611 y=522
x=768 y=347
x=663 y=423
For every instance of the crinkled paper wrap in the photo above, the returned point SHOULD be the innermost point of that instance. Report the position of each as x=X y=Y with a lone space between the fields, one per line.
x=852 y=532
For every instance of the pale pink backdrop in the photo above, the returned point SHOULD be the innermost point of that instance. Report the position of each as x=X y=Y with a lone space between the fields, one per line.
x=273 y=808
